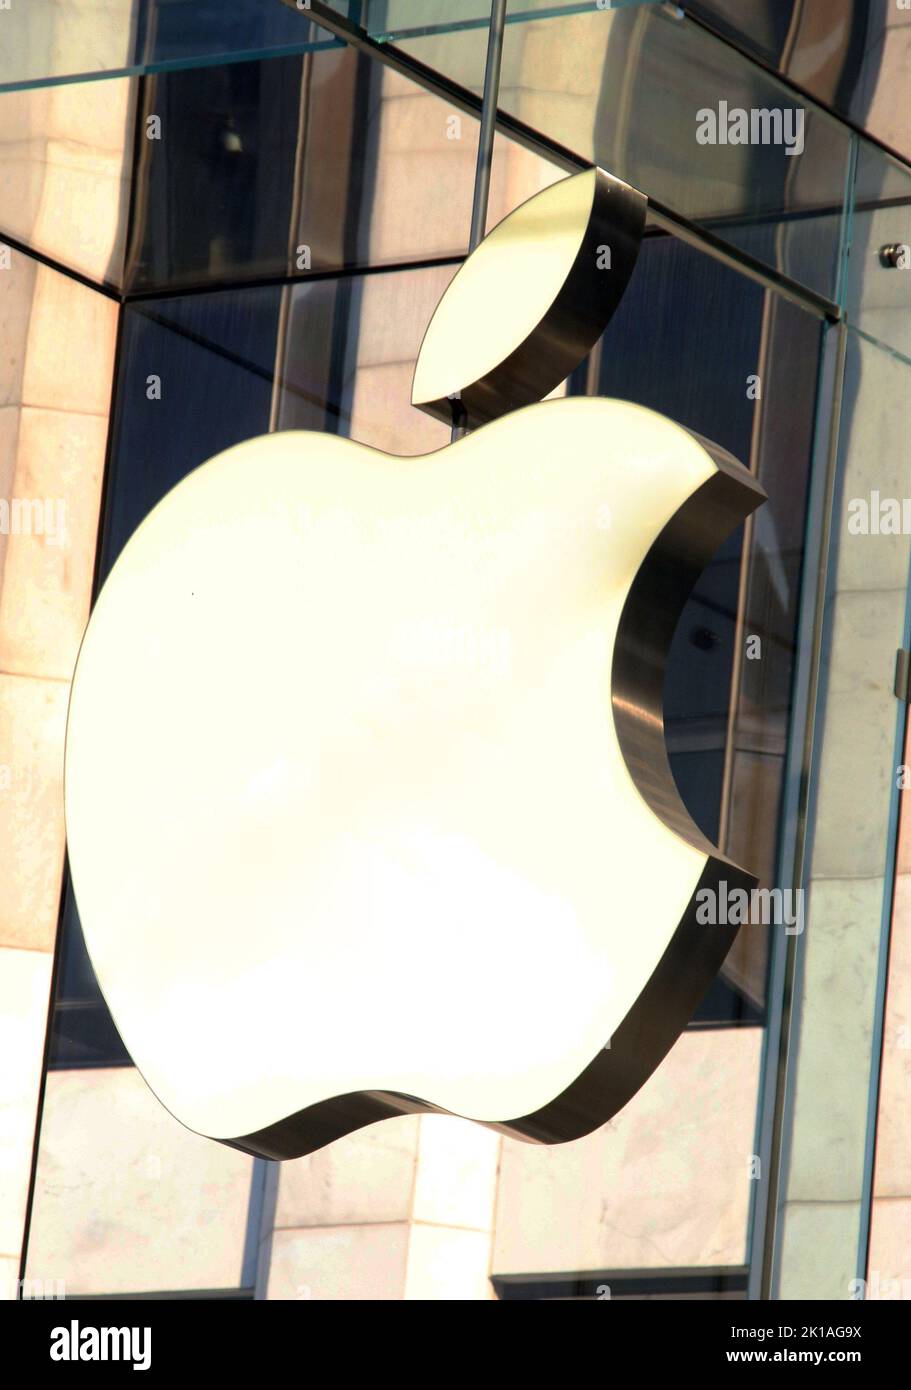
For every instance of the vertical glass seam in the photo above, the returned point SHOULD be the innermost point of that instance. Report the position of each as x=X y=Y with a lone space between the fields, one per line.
x=882 y=979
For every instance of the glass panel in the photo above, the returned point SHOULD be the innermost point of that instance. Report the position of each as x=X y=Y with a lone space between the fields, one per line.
x=82 y=1032
x=206 y=204
x=243 y=171
x=658 y=101
x=401 y=20
x=879 y=288
x=887 y=1275
x=291 y=167
x=838 y=995
x=58 y=42
x=698 y=342
x=856 y=915
x=850 y=54
x=128 y=1201
x=729 y=764
x=56 y=370
x=337 y=354
x=66 y=157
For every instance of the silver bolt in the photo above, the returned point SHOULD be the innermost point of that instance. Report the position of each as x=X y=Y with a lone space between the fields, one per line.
x=897 y=255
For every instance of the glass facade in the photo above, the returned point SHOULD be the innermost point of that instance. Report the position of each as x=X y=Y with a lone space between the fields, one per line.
x=216 y=226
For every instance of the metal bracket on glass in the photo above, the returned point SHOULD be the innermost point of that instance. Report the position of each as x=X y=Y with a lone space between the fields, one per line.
x=895 y=256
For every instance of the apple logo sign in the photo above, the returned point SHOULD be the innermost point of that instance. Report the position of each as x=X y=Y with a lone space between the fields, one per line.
x=367 y=796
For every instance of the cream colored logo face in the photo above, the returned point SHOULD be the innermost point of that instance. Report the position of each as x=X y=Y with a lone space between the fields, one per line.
x=367 y=800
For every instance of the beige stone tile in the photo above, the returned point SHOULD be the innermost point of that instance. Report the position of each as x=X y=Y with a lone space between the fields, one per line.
x=857 y=767
x=447 y=1263
x=903 y=848
x=819 y=1250
x=460 y=54
x=887 y=116
x=516 y=175
x=9 y=444
x=47 y=576
x=534 y=66
x=841 y=942
x=339 y=1262
x=17 y=287
x=126 y=1199
x=64 y=175
x=70 y=356
x=665 y=1183
x=21 y=167
x=21 y=117
x=93 y=34
x=9 y=448
x=456 y=1178
x=903 y=853
x=365 y=1177
x=66 y=37
x=32 y=727
x=878 y=305
x=889 y=1264
x=9 y=1275
x=81 y=221
x=25 y=981
x=96 y=118
x=416 y=153
x=383 y=417
x=395 y=310
x=875 y=459
x=893 y=1133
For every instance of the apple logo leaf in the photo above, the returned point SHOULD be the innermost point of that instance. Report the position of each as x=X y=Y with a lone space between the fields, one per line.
x=526 y=307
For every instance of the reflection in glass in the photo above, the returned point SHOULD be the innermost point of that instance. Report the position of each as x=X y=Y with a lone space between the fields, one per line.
x=625 y=89
x=56 y=42
x=833 y=1061
x=293 y=167
x=65 y=171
